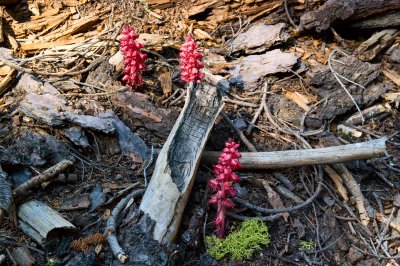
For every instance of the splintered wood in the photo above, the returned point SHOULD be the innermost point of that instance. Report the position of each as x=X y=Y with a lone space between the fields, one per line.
x=57 y=25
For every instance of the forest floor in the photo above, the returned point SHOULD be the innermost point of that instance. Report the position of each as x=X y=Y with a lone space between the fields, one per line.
x=61 y=98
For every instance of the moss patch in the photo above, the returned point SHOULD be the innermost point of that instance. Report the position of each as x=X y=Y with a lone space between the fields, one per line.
x=241 y=243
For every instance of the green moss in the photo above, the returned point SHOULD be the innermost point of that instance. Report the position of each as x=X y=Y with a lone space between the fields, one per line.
x=307 y=245
x=241 y=243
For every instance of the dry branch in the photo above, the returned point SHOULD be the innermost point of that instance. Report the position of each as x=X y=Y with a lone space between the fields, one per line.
x=295 y=158
x=45 y=176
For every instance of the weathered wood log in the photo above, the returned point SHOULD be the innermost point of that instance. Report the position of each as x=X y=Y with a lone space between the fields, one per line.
x=387 y=20
x=169 y=189
x=335 y=10
x=295 y=158
x=41 y=222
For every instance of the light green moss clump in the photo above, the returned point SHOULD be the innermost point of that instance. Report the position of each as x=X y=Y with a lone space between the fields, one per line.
x=241 y=243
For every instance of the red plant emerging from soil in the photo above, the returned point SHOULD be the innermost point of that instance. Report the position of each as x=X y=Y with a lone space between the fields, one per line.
x=190 y=61
x=133 y=58
x=222 y=184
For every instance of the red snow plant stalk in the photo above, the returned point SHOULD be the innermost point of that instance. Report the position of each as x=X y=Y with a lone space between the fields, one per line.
x=222 y=184
x=190 y=61
x=133 y=57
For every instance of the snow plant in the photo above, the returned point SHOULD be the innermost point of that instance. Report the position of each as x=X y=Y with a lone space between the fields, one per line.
x=222 y=184
x=190 y=61
x=133 y=58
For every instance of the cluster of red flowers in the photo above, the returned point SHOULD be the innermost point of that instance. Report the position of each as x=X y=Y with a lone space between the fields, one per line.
x=190 y=61
x=133 y=57
x=222 y=184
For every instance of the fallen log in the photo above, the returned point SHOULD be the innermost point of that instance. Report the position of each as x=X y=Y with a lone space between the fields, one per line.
x=295 y=158
x=173 y=177
x=339 y=10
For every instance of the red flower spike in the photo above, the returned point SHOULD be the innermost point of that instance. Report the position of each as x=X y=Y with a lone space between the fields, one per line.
x=222 y=184
x=133 y=58
x=190 y=61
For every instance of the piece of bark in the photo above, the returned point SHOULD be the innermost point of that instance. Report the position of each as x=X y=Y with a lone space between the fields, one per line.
x=295 y=158
x=340 y=10
x=173 y=177
x=299 y=99
x=45 y=176
x=46 y=108
x=392 y=75
x=75 y=203
x=259 y=38
x=40 y=222
x=387 y=20
x=274 y=199
x=254 y=68
x=337 y=180
x=197 y=9
x=7 y=81
x=369 y=49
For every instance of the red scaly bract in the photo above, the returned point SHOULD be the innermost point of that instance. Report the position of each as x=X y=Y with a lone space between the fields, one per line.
x=222 y=184
x=190 y=61
x=133 y=58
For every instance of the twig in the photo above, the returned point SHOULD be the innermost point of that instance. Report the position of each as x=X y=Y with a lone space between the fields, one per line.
x=289 y=17
x=112 y=226
x=242 y=103
x=260 y=108
x=45 y=176
x=269 y=218
x=92 y=65
x=240 y=133
x=338 y=76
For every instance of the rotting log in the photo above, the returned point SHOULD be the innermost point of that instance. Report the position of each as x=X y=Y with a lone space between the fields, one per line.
x=339 y=10
x=173 y=177
x=295 y=158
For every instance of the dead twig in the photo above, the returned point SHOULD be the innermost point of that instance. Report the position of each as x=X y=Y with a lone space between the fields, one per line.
x=45 y=176
x=112 y=225
x=260 y=108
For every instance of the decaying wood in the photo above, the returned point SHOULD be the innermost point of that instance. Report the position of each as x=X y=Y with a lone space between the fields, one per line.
x=295 y=158
x=392 y=75
x=349 y=131
x=45 y=176
x=337 y=179
x=173 y=177
x=7 y=80
x=40 y=222
x=392 y=97
x=391 y=19
x=369 y=49
x=355 y=191
x=335 y=10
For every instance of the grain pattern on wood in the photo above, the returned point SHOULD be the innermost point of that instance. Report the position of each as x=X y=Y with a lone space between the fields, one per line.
x=295 y=158
x=169 y=189
x=41 y=222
